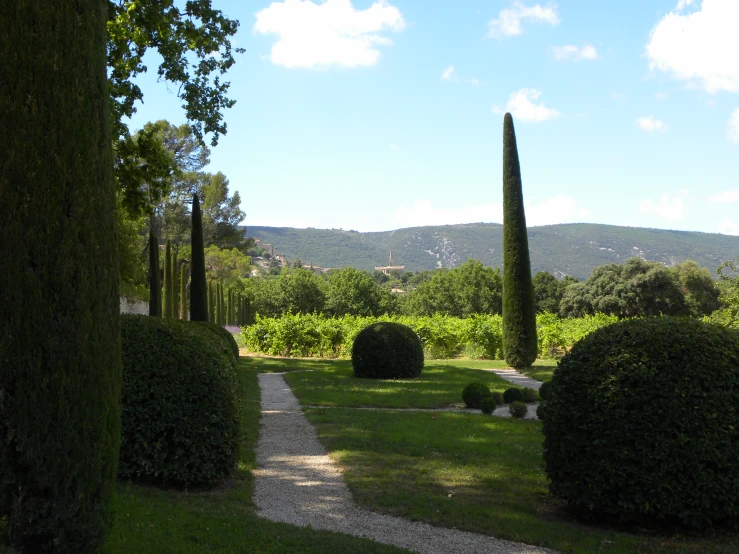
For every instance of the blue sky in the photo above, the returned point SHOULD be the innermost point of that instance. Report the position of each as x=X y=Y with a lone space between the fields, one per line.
x=381 y=114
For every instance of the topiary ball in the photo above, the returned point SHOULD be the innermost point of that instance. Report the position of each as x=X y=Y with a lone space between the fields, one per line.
x=518 y=409
x=498 y=397
x=541 y=410
x=224 y=334
x=544 y=390
x=642 y=423
x=387 y=350
x=180 y=403
x=530 y=395
x=488 y=405
x=474 y=393
x=513 y=394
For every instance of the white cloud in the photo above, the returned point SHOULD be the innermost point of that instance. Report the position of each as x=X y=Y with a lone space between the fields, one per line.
x=521 y=105
x=570 y=52
x=668 y=209
x=725 y=196
x=509 y=19
x=732 y=131
x=558 y=209
x=699 y=47
x=448 y=73
x=332 y=33
x=727 y=227
x=650 y=124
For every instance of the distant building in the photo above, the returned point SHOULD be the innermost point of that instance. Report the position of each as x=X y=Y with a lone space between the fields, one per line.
x=390 y=266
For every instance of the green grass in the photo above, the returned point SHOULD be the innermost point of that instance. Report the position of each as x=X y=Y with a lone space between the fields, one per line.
x=223 y=521
x=407 y=464
x=542 y=370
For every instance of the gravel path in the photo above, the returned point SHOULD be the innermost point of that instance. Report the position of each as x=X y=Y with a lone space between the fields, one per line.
x=518 y=379
x=297 y=483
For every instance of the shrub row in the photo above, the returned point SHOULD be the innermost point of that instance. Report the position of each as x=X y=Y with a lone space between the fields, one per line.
x=479 y=336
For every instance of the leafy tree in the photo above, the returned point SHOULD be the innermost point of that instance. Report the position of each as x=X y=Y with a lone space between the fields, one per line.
x=301 y=291
x=548 y=291
x=60 y=349
x=222 y=214
x=194 y=42
x=227 y=266
x=642 y=288
x=728 y=286
x=519 y=309
x=351 y=291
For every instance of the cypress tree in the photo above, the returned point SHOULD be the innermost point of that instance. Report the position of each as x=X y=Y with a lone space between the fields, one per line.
x=519 y=307
x=175 y=289
x=183 y=291
x=230 y=309
x=198 y=287
x=211 y=303
x=60 y=353
x=155 y=289
x=168 y=295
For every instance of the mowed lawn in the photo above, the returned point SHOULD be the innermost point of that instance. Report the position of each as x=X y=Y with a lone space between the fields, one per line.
x=464 y=470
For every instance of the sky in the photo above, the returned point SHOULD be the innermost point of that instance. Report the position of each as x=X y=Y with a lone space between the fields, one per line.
x=375 y=115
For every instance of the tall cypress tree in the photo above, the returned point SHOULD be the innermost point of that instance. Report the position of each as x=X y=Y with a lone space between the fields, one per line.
x=60 y=366
x=168 y=289
x=519 y=306
x=183 y=291
x=211 y=303
x=198 y=286
x=155 y=287
x=175 y=288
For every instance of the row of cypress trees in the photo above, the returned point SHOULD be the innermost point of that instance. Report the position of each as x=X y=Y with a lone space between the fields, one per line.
x=171 y=300
x=229 y=307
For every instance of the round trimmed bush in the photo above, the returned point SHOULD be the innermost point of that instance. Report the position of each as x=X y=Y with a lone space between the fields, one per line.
x=544 y=390
x=642 y=424
x=530 y=395
x=180 y=403
x=488 y=405
x=474 y=393
x=518 y=409
x=513 y=394
x=387 y=350
x=541 y=410
x=498 y=397
x=224 y=334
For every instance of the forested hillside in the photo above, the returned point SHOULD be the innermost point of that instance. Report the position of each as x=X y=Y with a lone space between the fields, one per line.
x=571 y=249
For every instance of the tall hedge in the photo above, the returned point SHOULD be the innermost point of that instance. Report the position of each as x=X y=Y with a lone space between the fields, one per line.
x=519 y=306
x=60 y=354
x=183 y=292
x=198 y=287
x=155 y=287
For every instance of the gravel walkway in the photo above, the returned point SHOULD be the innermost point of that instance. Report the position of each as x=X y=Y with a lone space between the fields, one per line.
x=518 y=379
x=297 y=483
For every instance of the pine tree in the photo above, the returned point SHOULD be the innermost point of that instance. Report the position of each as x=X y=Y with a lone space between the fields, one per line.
x=183 y=291
x=198 y=290
x=60 y=352
x=168 y=288
x=155 y=288
x=519 y=306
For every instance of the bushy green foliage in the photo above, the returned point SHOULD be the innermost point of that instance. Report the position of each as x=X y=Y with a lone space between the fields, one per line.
x=642 y=423
x=518 y=409
x=548 y=291
x=59 y=297
x=530 y=395
x=544 y=390
x=231 y=347
x=541 y=410
x=442 y=336
x=513 y=394
x=519 y=309
x=498 y=397
x=474 y=393
x=180 y=399
x=387 y=350
x=488 y=405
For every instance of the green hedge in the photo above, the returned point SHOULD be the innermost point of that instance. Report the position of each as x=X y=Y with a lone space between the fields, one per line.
x=642 y=423
x=387 y=350
x=442 y=336
x=233 y=348
x=180 y=403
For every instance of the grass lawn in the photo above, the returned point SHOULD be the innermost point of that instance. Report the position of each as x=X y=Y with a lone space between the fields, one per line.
x=408 y=464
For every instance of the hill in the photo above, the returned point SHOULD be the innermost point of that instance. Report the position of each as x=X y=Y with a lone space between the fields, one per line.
x=567 y=249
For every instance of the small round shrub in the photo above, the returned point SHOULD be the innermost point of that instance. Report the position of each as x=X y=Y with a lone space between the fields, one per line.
x=530 y=395
x=541 y=410
x=544 y=390
x=641 y=424
x=180 y=412
x=513 y=394
x=474 y=393
x=488 y=405
x=387 y=350
x=498 y=397
x=518 y=409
